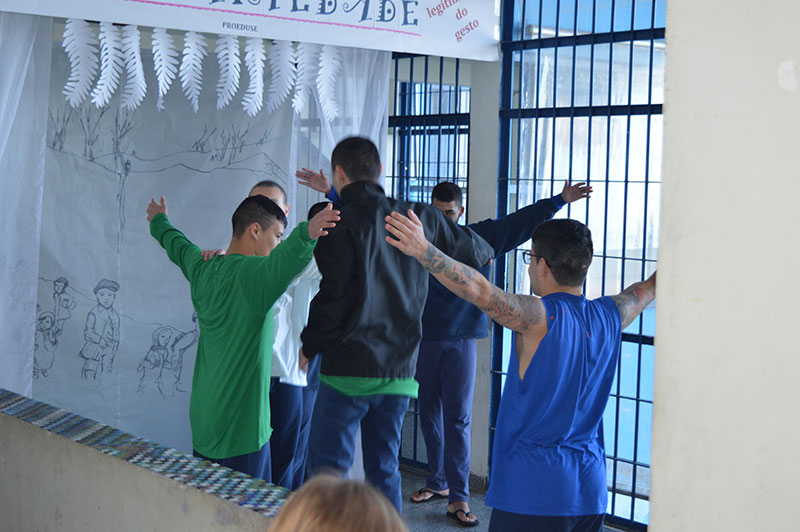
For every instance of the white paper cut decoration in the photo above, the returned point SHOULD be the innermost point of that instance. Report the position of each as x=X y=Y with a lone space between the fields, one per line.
x=330 y=62
x=191 y=71
x=165 y=62
x=254 y=57
x=282 y=67
x=307 y=69
x=111 y=64
x=229 y=68
x=81 y=47
x=135 y=84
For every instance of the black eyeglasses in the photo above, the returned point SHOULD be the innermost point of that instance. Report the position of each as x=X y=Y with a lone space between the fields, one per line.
x=526 y=256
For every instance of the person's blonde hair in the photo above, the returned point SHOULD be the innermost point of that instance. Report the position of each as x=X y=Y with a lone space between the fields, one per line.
x=328 y=503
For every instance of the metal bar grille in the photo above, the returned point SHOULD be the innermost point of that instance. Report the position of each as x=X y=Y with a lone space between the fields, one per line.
x=429 y=130
x=582 y=99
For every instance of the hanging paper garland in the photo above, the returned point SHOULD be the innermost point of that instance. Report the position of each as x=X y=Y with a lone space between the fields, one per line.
x=229 y=69
x=307 y=71
x=282 y=66
x=165 y=62
x=80 y=45
x=191 y=71
x=111 y=63
x=330 y=62
x=135 y=85
x=254 y=58
x=309 y=67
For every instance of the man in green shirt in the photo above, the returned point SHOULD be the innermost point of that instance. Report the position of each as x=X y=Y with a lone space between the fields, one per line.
x=233 y=296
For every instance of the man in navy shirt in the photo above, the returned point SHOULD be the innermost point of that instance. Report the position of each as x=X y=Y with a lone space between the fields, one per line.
x=447 y=354
x=548 y=462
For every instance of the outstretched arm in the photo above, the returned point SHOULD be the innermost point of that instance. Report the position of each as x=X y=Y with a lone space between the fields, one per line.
x=313 y=180
x=516 y=312
x=634 y=299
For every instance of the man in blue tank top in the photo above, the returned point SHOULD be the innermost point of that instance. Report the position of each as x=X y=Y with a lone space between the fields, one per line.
x=548 y=462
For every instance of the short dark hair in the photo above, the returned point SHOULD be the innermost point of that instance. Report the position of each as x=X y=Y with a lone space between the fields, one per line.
x=566 y=247
x=273 y=184
x=258 y=209
x=447 y=191
x=358 y=157
x=317 y=208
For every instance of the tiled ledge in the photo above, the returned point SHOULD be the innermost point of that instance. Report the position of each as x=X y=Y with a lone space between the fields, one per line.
x=209 y=477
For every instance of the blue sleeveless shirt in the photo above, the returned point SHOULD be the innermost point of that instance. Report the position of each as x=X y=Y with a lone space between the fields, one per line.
x=548 y=456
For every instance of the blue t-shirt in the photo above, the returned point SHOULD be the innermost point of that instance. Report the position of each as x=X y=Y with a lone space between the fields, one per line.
x=548 y=456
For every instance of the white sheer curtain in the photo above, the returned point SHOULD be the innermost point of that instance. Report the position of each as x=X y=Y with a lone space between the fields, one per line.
x=362 y=93
x=25 y=41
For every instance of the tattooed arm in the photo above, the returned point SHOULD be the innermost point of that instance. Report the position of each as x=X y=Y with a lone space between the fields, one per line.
x=633 y=300
x=516 y=312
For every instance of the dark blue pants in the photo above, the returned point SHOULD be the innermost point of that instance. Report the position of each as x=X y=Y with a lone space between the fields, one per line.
x=256 y=464
x=446 y=376
x=333 y=430
x=301 y=470
x=286 y=413
x=502 y=521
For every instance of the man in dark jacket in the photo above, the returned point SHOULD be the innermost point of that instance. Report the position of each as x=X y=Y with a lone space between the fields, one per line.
x=365 y=320
x=447 y=353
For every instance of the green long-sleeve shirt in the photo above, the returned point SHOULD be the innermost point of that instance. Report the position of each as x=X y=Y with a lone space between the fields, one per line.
x=233 y=297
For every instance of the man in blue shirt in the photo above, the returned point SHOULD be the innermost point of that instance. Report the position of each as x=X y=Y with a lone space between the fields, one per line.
x=447 y=354
x=548 y=462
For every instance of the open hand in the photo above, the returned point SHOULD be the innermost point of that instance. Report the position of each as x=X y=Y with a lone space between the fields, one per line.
x=156 y=208
x=575 y=192
x=409 y=234
x=209 y=254
x=324 y=219
x=311 y=179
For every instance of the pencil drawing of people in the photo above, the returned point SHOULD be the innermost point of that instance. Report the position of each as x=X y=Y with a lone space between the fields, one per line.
x=102 y=332
x=151 y=367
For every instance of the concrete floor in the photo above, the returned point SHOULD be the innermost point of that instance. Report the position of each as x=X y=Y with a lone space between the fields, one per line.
x=430 y=516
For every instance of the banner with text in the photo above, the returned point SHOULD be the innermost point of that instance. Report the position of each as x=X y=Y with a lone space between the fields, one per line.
x=453 y=28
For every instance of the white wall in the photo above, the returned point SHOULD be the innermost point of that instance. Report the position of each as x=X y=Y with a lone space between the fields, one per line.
x=726 y=423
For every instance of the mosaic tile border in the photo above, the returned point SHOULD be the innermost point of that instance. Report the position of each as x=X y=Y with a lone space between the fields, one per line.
x=209 y=477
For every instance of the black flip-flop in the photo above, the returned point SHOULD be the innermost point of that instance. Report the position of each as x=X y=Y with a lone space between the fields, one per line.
x=468 y=524
x=434 y=496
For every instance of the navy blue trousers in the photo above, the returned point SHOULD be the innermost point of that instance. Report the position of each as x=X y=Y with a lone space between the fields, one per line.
x=333 y=431
x=286 y=413
x=502 y=521
x=301 y=470
x=256 y=464
x=446 y=376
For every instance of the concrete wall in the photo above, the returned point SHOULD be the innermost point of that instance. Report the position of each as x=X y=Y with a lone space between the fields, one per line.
x=483 y=142
x=726 y=428
x=48 y=482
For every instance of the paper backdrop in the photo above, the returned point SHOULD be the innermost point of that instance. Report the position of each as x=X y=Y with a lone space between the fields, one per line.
x=116 y=338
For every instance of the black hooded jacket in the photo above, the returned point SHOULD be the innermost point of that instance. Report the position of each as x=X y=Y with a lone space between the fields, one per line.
x=366 y=318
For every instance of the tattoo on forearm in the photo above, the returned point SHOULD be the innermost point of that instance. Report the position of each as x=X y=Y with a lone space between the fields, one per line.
x=437 y=262
x=514 y=311
x=632 y=301
x=510 y=310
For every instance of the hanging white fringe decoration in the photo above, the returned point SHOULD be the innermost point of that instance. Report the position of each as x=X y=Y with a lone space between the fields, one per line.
x=254 y=57
x=135 y=84
x=111 y=64
x=191 y=71
x=80 y=46
x=330 y=62
x=306 y=78
x=165 y=62
x=282 y=67
x=229 y=68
